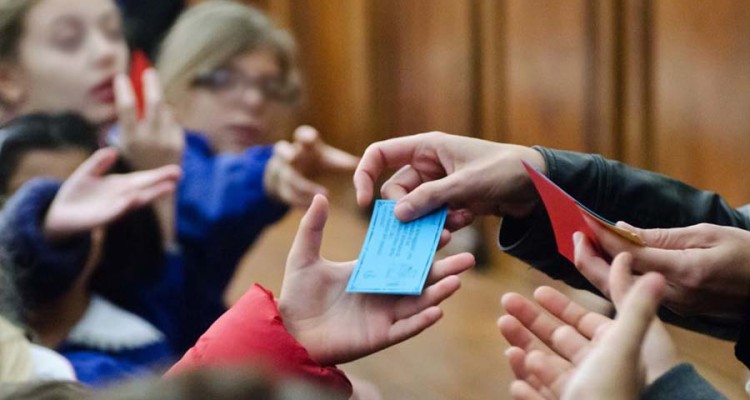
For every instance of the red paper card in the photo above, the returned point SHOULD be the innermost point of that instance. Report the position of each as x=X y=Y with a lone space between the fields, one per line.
x=139 y=64
x=566 y=215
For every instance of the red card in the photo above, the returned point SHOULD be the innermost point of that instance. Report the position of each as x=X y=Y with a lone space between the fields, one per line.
x=139 y=64
x=566 y=215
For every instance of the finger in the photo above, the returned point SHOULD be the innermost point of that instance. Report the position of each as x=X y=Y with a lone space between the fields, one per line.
x=148 y=195
x=590 y=264
x=530 y=315
x=406 y=328
x=144 y=179
x=695 y=236
x=307 y=242
x=401 y=183
x=552 y=371
x=570 y=312
x=153 y=99
x=518 y=335
x=445 y=238
x=127 y=113
x=635 y=315
x=431 y=296
x=620 y=277
x=302 y=190
x=97 y=164
x=306 y=136
x=334 y=159
x=448 y=266
x=516 y=360
x=392 y=153
x=522 y=390
x=285 y=151
x=458 y=219
x=562 y=339
x=429 y=196
x=670 y=262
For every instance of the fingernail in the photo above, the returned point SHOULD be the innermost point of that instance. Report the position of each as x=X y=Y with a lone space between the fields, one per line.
x=404 y=211
x=507 y=352
x=577 y=238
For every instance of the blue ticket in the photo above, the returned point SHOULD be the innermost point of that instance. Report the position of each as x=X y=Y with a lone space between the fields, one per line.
x=396 y=256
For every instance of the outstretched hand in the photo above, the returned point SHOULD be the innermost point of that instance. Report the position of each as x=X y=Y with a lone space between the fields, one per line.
x=559 y=353
x=336 y=326
x=472 y=176
x=89 y=198
x=293 y=165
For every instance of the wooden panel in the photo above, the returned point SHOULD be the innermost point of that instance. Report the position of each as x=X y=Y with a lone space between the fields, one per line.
x=422 y=66
x=548 y=73
x=702 y=93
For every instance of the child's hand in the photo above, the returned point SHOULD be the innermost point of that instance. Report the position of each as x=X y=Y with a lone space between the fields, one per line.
x=157 y=139
x=293 y=164
x=89 y=198
x=336 y=326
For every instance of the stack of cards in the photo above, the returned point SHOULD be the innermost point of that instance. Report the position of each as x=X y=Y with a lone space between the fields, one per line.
x=396 y=256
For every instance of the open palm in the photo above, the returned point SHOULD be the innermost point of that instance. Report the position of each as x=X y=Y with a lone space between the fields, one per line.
x=89 y=198
x=336 y=326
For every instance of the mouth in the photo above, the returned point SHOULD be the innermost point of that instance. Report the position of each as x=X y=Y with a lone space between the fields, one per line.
x=104 y=91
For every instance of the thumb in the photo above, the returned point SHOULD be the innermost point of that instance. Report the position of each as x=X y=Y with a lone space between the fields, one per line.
x=307 y=242
x=428 y=197
x=665 y=238
x=97 y=164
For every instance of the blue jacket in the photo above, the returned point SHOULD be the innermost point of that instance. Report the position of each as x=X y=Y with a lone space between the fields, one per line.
x=221 y=210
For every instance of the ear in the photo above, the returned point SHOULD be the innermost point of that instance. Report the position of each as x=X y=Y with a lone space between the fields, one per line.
x=11 y=86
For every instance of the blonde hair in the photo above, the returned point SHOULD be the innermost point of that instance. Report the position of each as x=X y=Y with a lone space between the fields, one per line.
x=210 y=34
x=12 y=19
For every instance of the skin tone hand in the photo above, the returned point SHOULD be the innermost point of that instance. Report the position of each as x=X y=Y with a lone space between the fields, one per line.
x=558 y=354
x=292 y=164
x=337 y=327
x=473 y=177
x=707 y=267
x=152 y=142
x=157 y=139
x=89 y=199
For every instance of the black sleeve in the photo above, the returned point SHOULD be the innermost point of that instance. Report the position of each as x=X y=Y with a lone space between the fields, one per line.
x=619 y=193
x=681 y=382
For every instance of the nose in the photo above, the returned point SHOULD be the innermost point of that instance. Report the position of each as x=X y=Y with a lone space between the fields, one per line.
x=252 y=97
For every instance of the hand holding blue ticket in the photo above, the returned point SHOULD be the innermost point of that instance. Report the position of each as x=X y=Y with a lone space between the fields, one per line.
x=397 y=256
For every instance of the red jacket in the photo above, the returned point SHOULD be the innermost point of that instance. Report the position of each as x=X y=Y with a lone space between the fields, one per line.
x=252 y=331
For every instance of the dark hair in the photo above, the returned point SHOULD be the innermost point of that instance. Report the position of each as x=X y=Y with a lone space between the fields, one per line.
x=41 y=132
x=132 y=249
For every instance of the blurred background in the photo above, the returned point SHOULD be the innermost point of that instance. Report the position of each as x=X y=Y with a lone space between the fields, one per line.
x=661 y=84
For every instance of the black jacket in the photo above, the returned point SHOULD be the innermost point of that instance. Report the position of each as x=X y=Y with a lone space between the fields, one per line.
x=622 y=193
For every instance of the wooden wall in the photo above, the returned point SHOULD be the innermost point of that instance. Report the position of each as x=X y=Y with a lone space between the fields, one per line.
x=662 y=84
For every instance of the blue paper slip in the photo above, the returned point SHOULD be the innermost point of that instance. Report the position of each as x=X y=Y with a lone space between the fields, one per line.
x=396 y=256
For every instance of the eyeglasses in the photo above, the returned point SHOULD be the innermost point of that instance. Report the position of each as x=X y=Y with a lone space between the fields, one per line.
x=233 y=84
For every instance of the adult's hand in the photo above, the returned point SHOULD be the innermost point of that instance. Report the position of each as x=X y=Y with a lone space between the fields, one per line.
x=472 y=176
x=707 y=267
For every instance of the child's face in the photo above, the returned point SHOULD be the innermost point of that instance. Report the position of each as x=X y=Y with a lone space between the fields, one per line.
x=232 y=109
x=69 y=54
x=58 y=164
